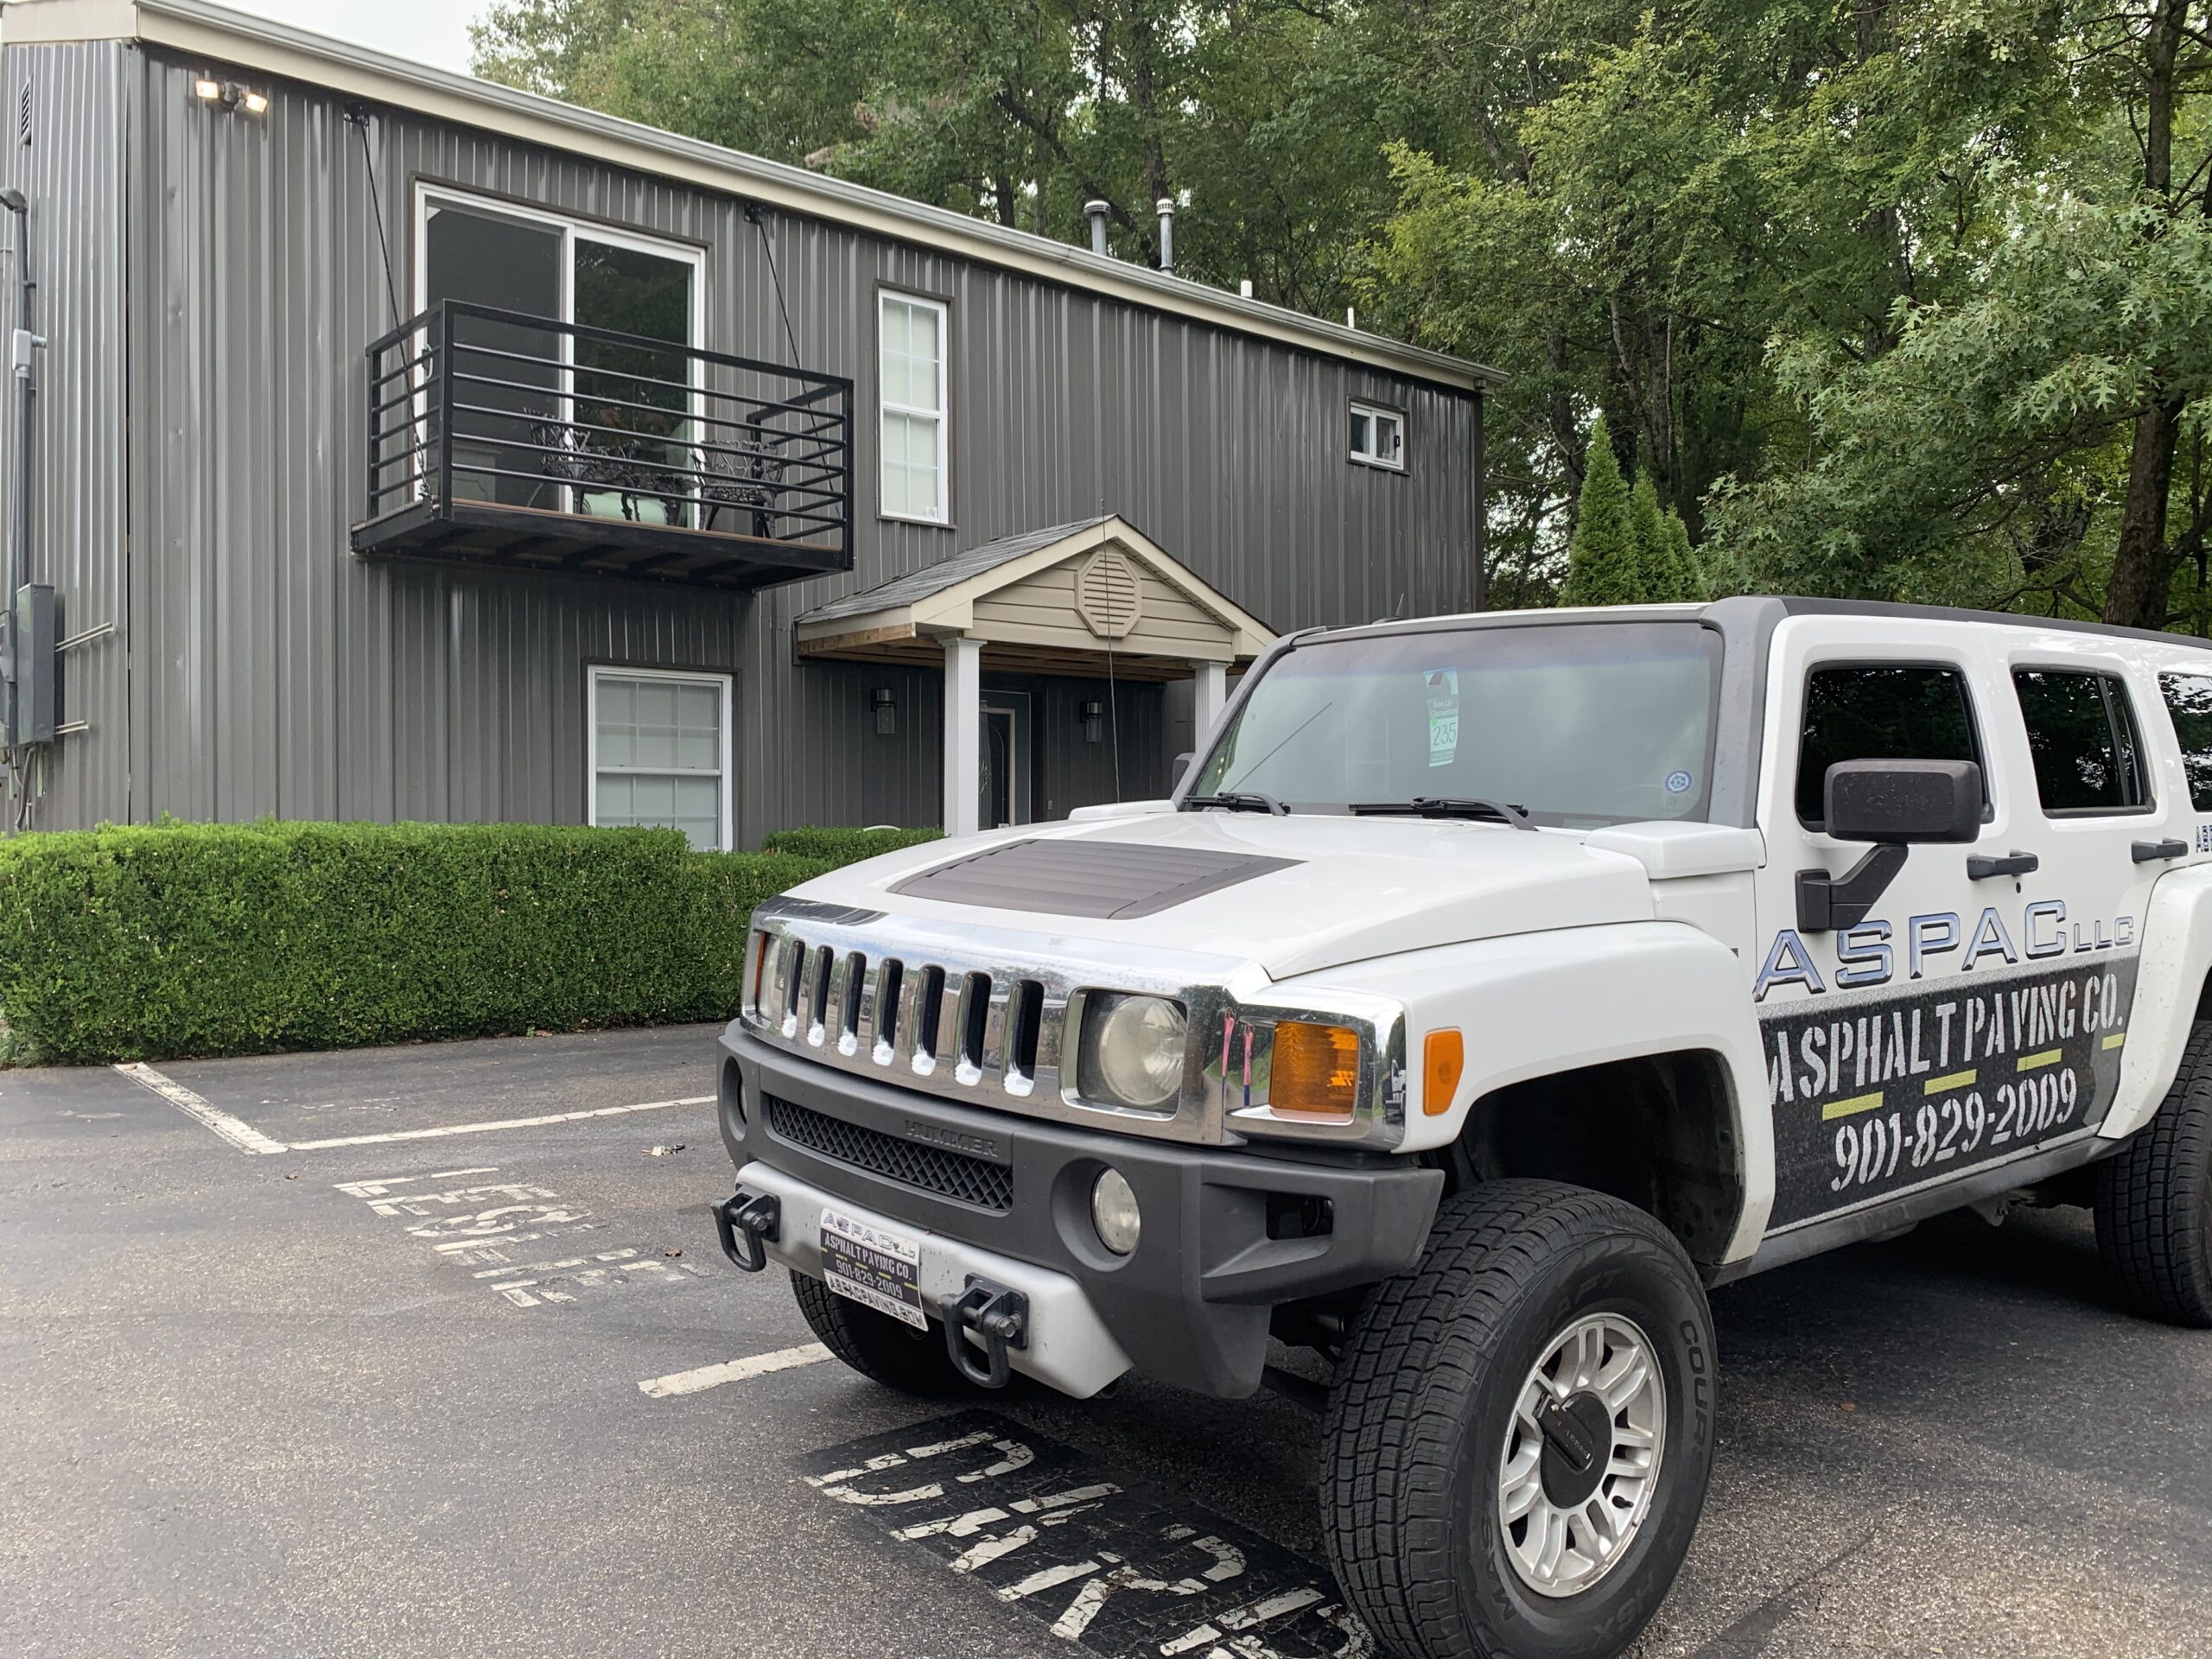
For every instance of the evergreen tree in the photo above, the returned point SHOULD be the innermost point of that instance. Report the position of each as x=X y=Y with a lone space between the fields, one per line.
x=1687 y=572
x=1602 y=560
x=1657 y=581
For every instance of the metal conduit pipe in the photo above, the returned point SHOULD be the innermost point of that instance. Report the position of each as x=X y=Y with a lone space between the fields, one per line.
x=21 y=343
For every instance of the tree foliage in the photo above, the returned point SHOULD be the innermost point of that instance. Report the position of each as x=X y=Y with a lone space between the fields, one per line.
x=1901 y=298
x=1605 y=563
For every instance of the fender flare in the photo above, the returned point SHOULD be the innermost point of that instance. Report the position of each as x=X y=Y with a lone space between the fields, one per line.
x=1534 y=1004
x=2170 y=968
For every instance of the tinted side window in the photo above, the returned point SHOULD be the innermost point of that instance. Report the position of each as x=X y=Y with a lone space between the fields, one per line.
x=2083 y=740
x=1879 y=711
x=2188 y=700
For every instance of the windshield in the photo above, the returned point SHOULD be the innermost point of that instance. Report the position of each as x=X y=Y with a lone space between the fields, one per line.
x=1579 y=724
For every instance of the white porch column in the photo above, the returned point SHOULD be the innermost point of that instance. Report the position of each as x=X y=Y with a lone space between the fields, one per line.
x=963 y=734
x=1207 y=696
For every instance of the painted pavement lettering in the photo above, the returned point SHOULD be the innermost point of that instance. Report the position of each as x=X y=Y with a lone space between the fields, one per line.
x=1101 y=1561
x=501 y=1231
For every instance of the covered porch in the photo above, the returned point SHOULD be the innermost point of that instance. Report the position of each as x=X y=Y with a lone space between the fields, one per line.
x=1096 y=601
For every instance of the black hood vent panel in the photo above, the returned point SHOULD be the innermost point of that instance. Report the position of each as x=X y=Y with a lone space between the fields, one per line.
x=1110 y=881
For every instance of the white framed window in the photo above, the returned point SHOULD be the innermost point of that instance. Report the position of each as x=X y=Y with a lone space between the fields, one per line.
x=911 y=382
x=1378 y=436
x=659 y=745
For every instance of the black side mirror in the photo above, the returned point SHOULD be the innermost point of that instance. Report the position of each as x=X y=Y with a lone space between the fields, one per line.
x=1181 y=770
x=1891 y=803
x=1904 y=801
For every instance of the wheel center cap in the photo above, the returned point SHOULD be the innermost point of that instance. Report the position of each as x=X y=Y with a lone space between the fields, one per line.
x=1577 y=1444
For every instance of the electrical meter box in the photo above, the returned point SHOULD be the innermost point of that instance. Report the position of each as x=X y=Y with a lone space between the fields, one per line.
x=32 y=704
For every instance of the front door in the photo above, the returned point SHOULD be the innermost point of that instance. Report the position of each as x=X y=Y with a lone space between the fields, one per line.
x=1976 y=1015
x=1003 y=785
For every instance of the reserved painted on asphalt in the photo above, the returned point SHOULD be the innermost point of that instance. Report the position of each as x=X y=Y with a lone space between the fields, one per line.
x=1105 y=1561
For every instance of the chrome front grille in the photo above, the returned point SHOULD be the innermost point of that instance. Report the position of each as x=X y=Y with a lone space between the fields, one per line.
x=987 y=1017
x=905 y=1012
x=921 y=1007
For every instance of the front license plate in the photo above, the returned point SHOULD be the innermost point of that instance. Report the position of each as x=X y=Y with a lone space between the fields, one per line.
x=874 y=1266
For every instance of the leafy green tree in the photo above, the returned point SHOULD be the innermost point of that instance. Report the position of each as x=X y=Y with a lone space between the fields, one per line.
x=1910 y=299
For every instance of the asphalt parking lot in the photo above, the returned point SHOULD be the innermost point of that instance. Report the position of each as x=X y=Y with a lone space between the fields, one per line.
x=291 y=1368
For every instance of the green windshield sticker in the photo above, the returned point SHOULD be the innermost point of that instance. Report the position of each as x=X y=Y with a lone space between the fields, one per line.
x=1443 y=715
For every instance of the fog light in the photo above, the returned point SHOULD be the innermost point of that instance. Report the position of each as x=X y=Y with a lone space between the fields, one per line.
x=1114 y=1212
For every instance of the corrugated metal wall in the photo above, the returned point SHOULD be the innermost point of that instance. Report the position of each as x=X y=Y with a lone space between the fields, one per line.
x=72 y=172
x=276 y=673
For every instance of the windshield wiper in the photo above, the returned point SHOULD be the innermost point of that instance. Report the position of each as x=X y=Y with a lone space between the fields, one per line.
x=1240 y=800
x=1440 y=806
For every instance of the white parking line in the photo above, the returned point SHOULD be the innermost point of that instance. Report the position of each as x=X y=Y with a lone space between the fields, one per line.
x=732 y=1370
x=486 y=1128
x=241 y=1135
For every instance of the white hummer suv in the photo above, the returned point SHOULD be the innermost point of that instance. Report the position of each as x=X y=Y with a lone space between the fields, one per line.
x=1492 y=988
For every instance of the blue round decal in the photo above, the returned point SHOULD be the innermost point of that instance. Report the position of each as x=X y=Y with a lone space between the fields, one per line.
x=1678 y=783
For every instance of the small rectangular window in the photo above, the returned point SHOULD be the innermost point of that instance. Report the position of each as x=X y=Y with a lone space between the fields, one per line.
x=910 y=364
x=1378 y=436
x=2188 y=702
x=2082 y=739
x=1880 y=711
x=660 y=751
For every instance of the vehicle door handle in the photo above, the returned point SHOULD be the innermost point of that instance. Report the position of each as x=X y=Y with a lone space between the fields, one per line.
x=1980 y=866
x=2150 y=852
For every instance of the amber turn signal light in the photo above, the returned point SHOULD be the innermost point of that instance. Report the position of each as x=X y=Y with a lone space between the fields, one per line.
x=1315 y=1071
x=1443 y=1057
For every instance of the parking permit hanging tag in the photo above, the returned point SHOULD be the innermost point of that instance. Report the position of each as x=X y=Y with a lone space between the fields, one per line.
x=1443 y=685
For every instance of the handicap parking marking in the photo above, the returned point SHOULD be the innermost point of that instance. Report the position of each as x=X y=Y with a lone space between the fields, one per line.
x=1105 y=1561
x=732 y=1370
x=480 y=1226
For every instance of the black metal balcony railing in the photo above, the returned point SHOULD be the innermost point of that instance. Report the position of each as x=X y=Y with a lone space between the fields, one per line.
x=498 y=437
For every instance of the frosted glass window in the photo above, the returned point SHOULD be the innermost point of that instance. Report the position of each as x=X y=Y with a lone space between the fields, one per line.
x=912 y=388
x=660 y=753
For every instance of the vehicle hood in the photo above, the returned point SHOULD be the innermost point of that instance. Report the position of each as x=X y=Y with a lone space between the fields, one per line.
x=1292 y=894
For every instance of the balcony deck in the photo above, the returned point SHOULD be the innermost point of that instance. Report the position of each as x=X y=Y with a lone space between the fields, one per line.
x=521 y=443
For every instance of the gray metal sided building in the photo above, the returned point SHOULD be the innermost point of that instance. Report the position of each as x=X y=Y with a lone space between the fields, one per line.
x=404 y=446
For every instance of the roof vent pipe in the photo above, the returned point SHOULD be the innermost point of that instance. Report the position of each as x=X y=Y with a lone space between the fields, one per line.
x=1166 y=206
x=1097 y=211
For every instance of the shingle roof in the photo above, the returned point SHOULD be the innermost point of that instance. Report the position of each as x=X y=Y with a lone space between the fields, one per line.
x=946 y=573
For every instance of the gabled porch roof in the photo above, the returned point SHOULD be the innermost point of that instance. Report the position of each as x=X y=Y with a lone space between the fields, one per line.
x=1090 y=598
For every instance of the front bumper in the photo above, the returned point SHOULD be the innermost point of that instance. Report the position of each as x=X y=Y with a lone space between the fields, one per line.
x=1227 y=1233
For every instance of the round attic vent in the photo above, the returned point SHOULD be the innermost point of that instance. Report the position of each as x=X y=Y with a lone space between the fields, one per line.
x=1106 y=593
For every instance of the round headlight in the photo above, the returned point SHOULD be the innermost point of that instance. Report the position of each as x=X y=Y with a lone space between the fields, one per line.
x=1132 y=1051
x=1114 y=1212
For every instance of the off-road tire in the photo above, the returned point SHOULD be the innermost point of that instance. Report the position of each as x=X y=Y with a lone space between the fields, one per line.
x=2154 y=1198
x=1424 y=1397
x=878 y=1346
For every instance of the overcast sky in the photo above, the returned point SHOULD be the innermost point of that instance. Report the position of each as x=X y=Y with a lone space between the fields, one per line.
x=426 y=31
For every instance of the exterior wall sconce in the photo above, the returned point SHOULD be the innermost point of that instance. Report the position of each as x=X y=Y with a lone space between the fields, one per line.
x=886 y=705
x=1094 y=721
x=230 y=95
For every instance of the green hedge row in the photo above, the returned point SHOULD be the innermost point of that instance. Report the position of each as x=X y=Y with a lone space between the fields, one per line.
x=176 y=940
x=847 y=846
